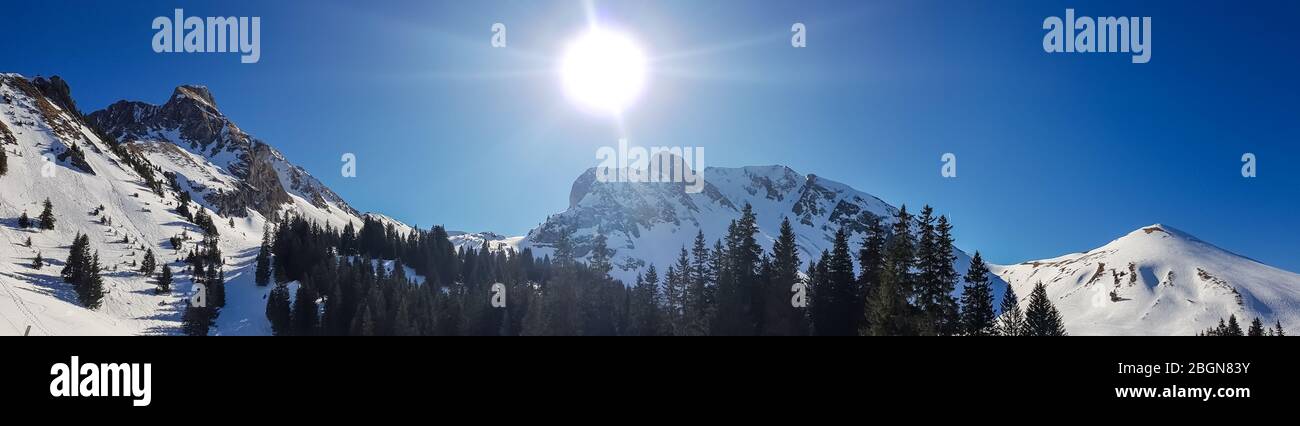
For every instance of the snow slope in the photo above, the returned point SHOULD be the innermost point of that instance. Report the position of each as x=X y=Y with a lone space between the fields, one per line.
x=1158 y=280
x=35 y=122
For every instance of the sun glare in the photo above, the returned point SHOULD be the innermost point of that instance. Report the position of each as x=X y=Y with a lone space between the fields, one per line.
x=603 y=71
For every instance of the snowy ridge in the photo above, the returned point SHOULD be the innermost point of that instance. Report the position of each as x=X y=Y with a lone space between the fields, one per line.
x=236 y=173
x=649 y=223
x=474 y=240
x=1158 y=280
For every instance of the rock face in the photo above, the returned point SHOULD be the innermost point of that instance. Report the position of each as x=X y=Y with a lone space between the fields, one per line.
x=58 y=92
x=190 y=119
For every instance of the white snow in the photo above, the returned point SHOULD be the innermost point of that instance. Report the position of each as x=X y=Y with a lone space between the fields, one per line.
x=40 y=299
x=1158 y=280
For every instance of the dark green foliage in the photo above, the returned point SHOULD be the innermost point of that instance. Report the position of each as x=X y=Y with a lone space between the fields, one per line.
x=1233 y=328
x=82 y=270
x=1012 y=320
x=1041 y=317
x=734 y=288
x=871 y=258
x=739 y=303
x=149 y=264
x=836 y=296
x=1256 y=328
x=780 y=316
x=164 y=281
x=277 y=310
x=47 y=216
x=305 y=311
x=892 y=313
x=936 y=279
x=977 y=300
x=263 y=273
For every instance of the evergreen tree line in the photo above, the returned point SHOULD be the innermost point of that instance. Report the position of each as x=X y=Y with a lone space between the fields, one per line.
x=732 y=287
x=1232 y=328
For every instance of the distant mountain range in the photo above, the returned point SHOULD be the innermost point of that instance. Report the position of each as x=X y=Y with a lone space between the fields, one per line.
x=1156 y=280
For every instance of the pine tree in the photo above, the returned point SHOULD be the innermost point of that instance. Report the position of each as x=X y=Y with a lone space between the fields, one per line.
x=600 y=254
x=1277 y=331
x=4 y=161
x=646 y=313
x=82 y=270
x=935 y=278
x=944 y=305
x=977 y=300
x=1256 y=328
x=149 y=265
x=891 y=311
x=738 y=307
x=196 y=320
x=674 y=295
x=699 y=299
x=24 y=222
x=821 y=307
x=305 y=311
x=534 y=323
x=78 y=256
x=871 y=258
x=38 y=262
x=1012 y=321
x=47 y=216
x=782 y=318
x=164 y=281
x=1233 y=329
x=277 y=310
x=840 y=292
x=1041 y=317
x=92 y=292
x=1217 y=330
x=263 y=274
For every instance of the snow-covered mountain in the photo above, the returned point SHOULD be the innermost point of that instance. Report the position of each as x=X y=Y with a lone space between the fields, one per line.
x=649 y=223
x=100 y=191
x=1158 y=280
x=230 y=171
x=475 y=240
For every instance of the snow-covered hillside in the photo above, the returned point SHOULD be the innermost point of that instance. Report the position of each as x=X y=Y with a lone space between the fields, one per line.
x=38 y=119
x=1158 y=280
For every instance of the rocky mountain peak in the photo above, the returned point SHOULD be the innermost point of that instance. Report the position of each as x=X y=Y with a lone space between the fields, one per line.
x=190 y=120
x=191 y=94
x=58 y=92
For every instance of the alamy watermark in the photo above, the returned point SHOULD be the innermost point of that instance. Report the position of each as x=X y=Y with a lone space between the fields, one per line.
x=638 y=164
x=1106 y=34
x=214 y=34
x=75 y=379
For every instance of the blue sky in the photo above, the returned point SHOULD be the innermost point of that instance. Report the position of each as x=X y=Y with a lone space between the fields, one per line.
x=1056 y=153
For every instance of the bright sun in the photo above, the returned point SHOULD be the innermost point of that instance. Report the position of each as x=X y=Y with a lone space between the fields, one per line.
x=603 y=71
